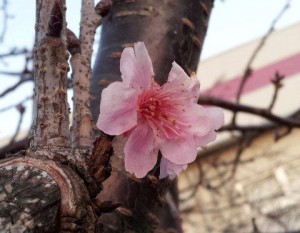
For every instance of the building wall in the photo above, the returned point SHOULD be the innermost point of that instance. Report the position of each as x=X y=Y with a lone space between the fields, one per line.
x=265 y=188
x=220 y=76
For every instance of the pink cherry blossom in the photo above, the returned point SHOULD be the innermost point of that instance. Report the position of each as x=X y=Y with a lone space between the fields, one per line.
x=165 y=118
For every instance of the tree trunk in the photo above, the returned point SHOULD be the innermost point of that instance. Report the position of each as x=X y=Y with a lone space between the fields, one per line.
x=43 y=189
x=172 y=31
x=52 y=186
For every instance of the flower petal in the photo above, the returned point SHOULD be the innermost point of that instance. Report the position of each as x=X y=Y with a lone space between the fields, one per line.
x=216 y=115
x=204 y=140
x=127 y=65
x=136 y=67
x=140 y=151
x=198 y=120
x=204 y=123
x=163 y=168
x=178 y=79
x=179 y=151
x=117 y=109
x=167 y=168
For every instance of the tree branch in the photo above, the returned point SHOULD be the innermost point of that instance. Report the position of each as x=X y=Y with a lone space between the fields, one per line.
x=248 y=69
x=14 y=52
x=82 y=129
x=6 y=16
x=171 y=30
x=258 y=48
x=21 y=110
x=251 y=110
x=51 y=111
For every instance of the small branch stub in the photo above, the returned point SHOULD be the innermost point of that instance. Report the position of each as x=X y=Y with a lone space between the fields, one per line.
x=73 y=43
x=56 y=21
x=103 y=7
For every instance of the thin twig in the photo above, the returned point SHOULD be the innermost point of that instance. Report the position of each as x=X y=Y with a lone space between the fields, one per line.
x=6 y=16
x=14 y=52
x=260 y=128
x=15 y=86
x=248 y=69
x=235 y=107
x=277 y=82
x=21 y=110
x=15 y=105
x=245 y=141
x=197 y=185
x=18 y=74
x=259 y=47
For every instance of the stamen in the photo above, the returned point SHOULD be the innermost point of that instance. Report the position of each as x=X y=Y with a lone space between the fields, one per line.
x=159 y=109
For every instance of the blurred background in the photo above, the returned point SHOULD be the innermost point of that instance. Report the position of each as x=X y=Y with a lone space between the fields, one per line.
x=247 y=181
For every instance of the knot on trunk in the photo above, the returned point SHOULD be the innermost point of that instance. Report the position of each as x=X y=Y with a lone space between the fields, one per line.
x=42 y=195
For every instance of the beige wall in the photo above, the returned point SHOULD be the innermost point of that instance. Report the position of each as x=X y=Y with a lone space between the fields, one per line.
x=224 y=67
x=265 y=186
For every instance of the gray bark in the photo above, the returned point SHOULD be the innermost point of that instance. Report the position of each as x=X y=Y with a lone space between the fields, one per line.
x=48 y=188
x=51 y=111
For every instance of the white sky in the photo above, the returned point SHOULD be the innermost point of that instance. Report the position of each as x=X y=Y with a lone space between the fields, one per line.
x=232 y=23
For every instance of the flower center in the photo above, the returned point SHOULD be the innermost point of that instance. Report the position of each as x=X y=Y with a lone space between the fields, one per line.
x=159 y=111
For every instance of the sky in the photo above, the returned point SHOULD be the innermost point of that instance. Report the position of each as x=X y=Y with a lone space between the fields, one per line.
x=232 y=23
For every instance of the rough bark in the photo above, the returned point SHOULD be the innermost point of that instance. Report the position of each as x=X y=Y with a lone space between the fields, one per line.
x=29 y=199
x=51 y=111
x=50 y=165
x=171 y=30
x=42 y=195
x=52 y=186
x=82 y=132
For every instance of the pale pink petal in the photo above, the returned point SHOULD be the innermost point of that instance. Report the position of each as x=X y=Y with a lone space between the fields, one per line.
x=198 y=119
x=179 y=151
x=140 y=151
x=204 y=140
x=117 y=109
x=136 y=67
x=167 y=168
x=163 y=168
x=143 y=59
x=127 y=65
x=216 y=115
x=204 y=122
x=179 y=81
